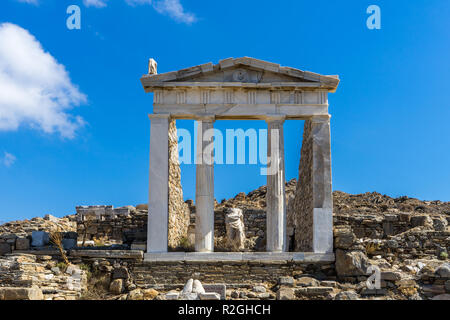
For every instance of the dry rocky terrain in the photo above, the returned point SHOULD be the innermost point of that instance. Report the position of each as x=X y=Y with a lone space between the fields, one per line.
x=405 y=238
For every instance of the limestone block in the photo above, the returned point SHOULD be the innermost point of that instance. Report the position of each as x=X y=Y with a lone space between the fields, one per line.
x=116 y=286
x=69 y=244
x=443 y=270
x=221 y=289
x=352 y=263
x=444 y=296
x=172 y=295
x=4 y=248
x=285 y=294
x=234 y=221
x=209 y=296
x=21 y=294
x=286 y=281
x=39 y=238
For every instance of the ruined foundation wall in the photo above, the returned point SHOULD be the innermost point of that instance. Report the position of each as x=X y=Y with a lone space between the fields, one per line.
x=300 y=213
x=179 y=214
x=148 y=274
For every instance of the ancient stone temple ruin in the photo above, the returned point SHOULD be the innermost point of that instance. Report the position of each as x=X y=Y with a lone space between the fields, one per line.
x=244 y=89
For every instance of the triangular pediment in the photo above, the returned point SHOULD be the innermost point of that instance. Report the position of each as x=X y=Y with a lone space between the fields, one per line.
x=240 y=70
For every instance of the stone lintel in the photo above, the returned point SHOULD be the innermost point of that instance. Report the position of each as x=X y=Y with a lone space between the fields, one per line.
x=205 y=118
x=153 y=116
x=275 y=118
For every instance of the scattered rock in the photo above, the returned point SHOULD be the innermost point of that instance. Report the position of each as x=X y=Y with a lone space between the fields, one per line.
x=443 y=271
x=22 y=244
x=150 y=294
x=285 y=294
x=259 y=289
x=307 y=282
x=347 y=295
x=21 y=294
x=354 y=263
x=116 y=286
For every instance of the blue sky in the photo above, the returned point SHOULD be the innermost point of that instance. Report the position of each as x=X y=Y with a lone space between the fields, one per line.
x=390 y=129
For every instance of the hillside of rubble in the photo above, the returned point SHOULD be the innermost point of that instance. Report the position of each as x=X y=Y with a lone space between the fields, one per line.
x=406 y=239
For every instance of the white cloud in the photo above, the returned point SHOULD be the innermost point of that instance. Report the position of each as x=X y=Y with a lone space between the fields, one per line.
x=171 y=8
x=35 y=89
x=138 y=2
x=8 y=159
x=95 y=3
x=175 y=10
x=29 y=1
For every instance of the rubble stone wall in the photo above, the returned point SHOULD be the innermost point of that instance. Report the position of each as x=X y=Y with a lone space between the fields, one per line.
x=42 y=274
x=179 y=214
x=157 y=273
x=300 y=214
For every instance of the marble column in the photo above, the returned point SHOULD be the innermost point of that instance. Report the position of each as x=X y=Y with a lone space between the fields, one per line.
x=322 y=185
x=275 y=198
x=204 y=192
x=157 y=236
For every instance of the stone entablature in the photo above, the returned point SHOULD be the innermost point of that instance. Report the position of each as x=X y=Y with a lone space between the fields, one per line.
x=239 y=89
x=243 y=88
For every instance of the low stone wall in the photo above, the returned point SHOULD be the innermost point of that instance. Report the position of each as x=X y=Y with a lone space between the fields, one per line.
x=115 y=229
x=150 y=274
x=20 y=272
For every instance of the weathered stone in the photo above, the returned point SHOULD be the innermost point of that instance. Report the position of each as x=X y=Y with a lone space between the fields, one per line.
x=264 y=295
x=21 y=294
x=286 y=281
x=178 y=211
x=344 y=238
x=422 y=220
x=440 y=224
x=209 y=296
x=373 y=292
x=443 y=270
x=69 y=244
x=260 y=289
x=444 y=296
x=347 y=295
x=173 y=295
x=120 y=273
x=39 y=238
x=234 y=221
x=285 y=294
x=353 y=263
x=135 y=295
x=319 y=290
x=150 y=294
x=307 y=282
x=391 y=275
x=4 y=249
x=217 y=288
x=22 y=244
x=116 y=286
